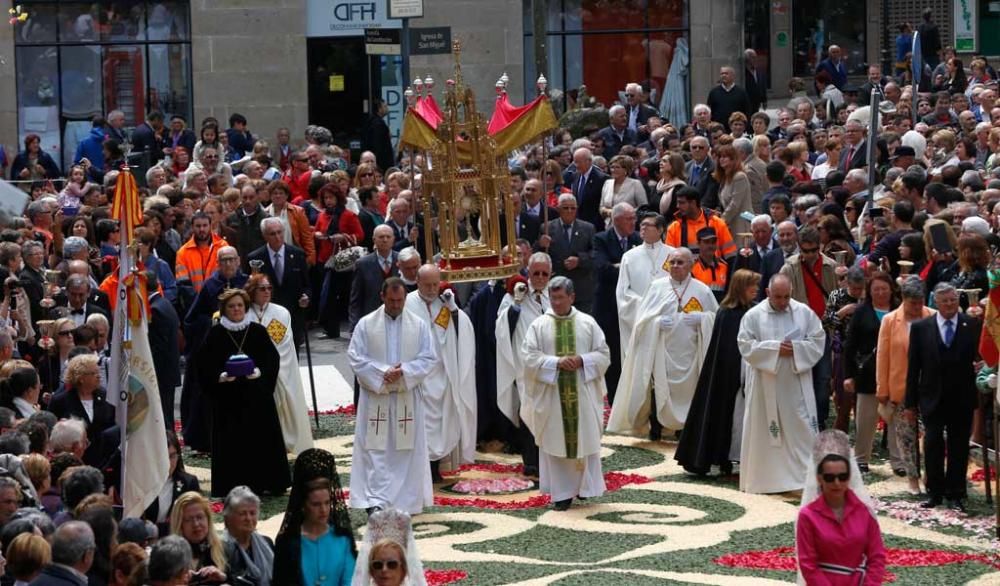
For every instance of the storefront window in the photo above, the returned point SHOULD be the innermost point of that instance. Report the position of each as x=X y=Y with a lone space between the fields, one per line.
x=817 y=25
x=77 y=60
x=605 y=44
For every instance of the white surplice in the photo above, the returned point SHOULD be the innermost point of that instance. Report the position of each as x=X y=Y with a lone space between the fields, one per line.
x=640 y=266
x=563 y=477
x=510 y=363
x=779 y=421
x=289 y=396
x=668 y=359
x=389 y=460
x=449 y=395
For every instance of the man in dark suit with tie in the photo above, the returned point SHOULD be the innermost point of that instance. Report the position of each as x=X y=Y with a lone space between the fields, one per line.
x=834 y=65
x=941 y=385
x=286 y=266
x=701 y=166
x=751 y=257
x=587 y=183
x=570 y=244
x=526 y=226
x=78 y=300
x=163 y=342
x=637 y=111
x=617 y=134
x=754 y=82
x=369 y=272
x=404 y=232
x=853 y=153
x=609 y=246
x=788 y=246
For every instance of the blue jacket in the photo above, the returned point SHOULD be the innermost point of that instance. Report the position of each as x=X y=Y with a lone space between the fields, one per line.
x=837 y=72
x=92 y=148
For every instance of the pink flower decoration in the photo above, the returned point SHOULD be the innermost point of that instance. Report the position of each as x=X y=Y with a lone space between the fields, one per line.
x=442 y=577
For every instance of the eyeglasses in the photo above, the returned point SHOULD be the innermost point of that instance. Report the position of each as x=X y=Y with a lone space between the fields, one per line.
x=540 y=274
x=264 y=288
x=377 y=565
x=843 y=477
x=366 y=175
x=66 y=333
x=696 y=147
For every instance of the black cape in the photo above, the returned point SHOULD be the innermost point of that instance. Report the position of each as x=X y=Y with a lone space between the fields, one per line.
x=247 y=445
x=482 y=310
x=708 y=429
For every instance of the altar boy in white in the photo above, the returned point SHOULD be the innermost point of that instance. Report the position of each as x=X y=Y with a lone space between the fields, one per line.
x=640 y=267
x=565 y=357
x=780 y=340
x=449 y=391
x=391 y=353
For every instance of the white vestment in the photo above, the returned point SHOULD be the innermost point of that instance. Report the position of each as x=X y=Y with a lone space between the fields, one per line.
x=668 y=359
x=510 y=368
x=449 y=391
x=640 y=266
x=562 y=474
x=779 y=422
x=390 y=466
x=289 y=396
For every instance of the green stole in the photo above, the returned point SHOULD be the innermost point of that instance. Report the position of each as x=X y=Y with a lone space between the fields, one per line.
x=567 y=381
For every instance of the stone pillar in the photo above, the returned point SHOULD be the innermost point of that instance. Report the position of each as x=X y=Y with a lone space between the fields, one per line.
x=8 y=88
x=716 y=40
x=249 y=56
x=492 y=36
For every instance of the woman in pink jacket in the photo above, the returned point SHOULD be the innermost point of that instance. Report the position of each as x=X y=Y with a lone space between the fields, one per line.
x=837 y=538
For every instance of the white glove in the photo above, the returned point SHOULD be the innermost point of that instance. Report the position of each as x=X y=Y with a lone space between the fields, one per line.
x=667 y=322
x=254 y=375
x=991 y=381
x=692 y=320
x=225 y=378
x=520 y=292
x=449 y=300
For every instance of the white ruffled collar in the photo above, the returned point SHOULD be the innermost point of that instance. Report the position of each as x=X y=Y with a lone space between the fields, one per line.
x=236 y=326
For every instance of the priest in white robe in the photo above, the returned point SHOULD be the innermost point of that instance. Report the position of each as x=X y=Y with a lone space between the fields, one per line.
x=639 y=268
x=289 y=394
x=525 y=303
x=780 y=340
x=391 y=353
x=672 y=331
x=449 y=391
x=565 y=357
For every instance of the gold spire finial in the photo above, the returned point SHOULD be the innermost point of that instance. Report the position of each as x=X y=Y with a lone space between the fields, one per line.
x=456 y=49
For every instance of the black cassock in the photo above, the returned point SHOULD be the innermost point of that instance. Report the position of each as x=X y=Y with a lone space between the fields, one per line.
x=708 y=429
x=482 y=309
x=247 y=445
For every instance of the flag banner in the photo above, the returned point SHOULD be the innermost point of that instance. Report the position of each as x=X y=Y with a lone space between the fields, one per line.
x=512 y=127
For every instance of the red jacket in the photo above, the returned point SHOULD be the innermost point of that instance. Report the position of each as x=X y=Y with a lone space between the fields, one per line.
x=299 y=186
x=349 y=225
x=825 y=545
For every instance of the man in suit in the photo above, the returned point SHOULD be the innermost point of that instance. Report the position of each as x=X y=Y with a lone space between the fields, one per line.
x=404 y=231
x=835 y=66
x=149 y=136
x=609 y=246
x=587 y=183
x=637 y=111
x=164 y=325
x=701 y=166
x=752 y=257
x=875 y=79
x=369 y=272
x=33 y=275
x=617 y=134
x=754 y=82
x=569 y=243
x=288 y=270
x=854 y=152
x=941 y=385
x=526 y=226
x=73 y=547
x=78 y=300
x=533 y=202
x=298 y=232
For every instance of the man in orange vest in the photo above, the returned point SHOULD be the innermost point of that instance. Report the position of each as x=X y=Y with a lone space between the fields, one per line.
x=708 y=267
x=198 y=257
x=691 y=218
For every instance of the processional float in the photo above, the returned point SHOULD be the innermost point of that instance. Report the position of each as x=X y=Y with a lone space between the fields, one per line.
x=465 y=187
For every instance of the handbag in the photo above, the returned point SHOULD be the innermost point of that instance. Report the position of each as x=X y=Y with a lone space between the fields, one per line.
x=344 y=261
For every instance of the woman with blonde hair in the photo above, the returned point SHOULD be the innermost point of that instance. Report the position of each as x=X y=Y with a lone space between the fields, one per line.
x=84 y=399
x=621 y=187
x=26 y=555
x=387 y=563
x=671 y=178
x=734 y=190
x=553 y=181
x=762 y=147
x=192 y=520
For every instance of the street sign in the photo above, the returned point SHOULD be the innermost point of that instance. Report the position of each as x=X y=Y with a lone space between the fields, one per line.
x=406 y=8
x=430 y=41
x=381 y=41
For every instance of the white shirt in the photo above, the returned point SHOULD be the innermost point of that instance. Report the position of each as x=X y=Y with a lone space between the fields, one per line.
x=283 y=216
x=88 y=406
x=534 y=211
x=941 y=321
x=78 y=318
x=633 y=118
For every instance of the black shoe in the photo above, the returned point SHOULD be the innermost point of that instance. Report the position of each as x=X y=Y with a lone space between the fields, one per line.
x=655 y=435
x=531 y=471
x=726 y=469
x=371 y=510
x=932 y=502
x=958 y=505
x=436 y=473
x=563 y=505
x=863 y=466
x=581 y=498
x=899 y=472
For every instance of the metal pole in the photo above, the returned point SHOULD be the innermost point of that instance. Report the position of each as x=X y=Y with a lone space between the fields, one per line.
x=996 y=463
x=312 y=380
x=405 y=50
x=983 y=407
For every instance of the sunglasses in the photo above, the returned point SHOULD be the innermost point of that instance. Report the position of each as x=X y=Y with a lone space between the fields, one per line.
x=843 y=477
x=66 y=333
x=265 y=288
x=377 y=565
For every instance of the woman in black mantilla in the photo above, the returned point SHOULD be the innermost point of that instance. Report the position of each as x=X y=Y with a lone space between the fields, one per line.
x=708 y=431
x=247 y=445
x=315 y=546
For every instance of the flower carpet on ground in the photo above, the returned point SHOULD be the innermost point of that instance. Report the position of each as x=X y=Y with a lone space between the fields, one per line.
x=655 y=525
